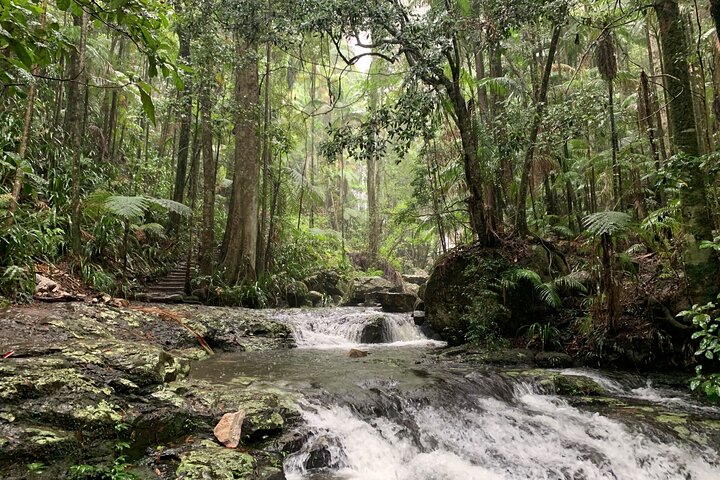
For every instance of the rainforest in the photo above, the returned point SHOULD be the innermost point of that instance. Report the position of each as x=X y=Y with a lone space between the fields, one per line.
x=342 y=240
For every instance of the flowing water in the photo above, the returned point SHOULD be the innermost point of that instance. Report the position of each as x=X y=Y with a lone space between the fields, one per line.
x=402 y=414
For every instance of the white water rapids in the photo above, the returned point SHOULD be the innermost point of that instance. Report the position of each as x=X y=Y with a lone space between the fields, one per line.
x=398 y=414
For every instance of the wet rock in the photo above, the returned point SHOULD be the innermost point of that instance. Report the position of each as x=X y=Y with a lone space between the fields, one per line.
x=364 y=287
x=355 y=353
x=416 y=279
x=211 y=461
x=556 y=383
x=553 y=360
x=411 y=288
x=319 y=456
x=397 y=302
x=26 y=443
x=329 y=283
x=297 y=294
x=374 y=331
x=265 y=410
x=419 y=317
x=316 y=298
x=228 y=431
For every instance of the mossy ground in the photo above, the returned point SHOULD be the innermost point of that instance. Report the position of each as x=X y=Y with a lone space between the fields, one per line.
x=78 y=372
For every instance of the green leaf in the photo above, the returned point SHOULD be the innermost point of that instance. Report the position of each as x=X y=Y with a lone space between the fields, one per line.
x=147 y=104
x=63 y=5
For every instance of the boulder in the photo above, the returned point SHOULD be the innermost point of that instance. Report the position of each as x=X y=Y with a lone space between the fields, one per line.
x=374 y=331
x=228 y=431
x=461 y=293
x=355 y=353
x=411 y=288
x=44 y=284
x=416 y=279
x=397 y=302
x=214 y=462
x=328 y=282
x=419 y=317
x=316 y=298
x=364 y=288
x=297 y=294
x=553 y=360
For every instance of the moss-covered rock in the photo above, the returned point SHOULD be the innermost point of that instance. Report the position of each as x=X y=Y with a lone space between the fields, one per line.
x=560 y=384
x=213 y=462
x=460 y=293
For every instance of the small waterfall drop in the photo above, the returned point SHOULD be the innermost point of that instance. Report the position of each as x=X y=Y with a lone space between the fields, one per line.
x=350 y=327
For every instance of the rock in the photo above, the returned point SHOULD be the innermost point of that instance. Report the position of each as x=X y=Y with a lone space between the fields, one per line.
x=421 y=291
x=319 y=455
x=328 y=282
x=364 y=287
x=374 y=331
x=213 y=462
x=397 y=302
x=355 y=353
x=553 y=360
x=118 y=303
x=44 y=284
x=316 y=298
x=228 y=431
x=419 y=317
x=416 y=279
x=411 y=288
x=297 y=294
x=461 y=290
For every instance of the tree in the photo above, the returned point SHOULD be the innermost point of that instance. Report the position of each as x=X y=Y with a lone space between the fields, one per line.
x=701 y=265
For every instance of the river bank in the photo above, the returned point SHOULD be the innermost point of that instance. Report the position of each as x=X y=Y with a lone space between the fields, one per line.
x=92 y=391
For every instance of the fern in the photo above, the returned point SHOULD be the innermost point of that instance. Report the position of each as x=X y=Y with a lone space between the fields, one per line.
x=547 y=292
x=130 y=207
x=607 y=223
x=127 y=207
x=571 y=281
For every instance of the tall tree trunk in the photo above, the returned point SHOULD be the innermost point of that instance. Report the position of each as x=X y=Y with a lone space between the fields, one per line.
x=207 y=237
x=73 y=125
x=615 y=147
x=242 y=227
x=185 y=114
x=521 y=214
x=263 y=237
x=373 y=183
x=701 y=265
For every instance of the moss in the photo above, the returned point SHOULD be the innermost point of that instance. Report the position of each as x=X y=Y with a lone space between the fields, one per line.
x=568 y=385
x=213 y=462
x=672 y=418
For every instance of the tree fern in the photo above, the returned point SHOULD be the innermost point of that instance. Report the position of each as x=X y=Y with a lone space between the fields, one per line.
x=547 y=292
x=607 y=223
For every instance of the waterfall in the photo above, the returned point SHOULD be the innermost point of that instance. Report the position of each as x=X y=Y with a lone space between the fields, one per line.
x=528 y=435
x=350 y=327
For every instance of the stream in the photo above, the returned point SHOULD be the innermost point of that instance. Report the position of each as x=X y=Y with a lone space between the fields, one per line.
x=402 y=413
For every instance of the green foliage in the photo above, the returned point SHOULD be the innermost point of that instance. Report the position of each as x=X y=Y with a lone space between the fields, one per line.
x=708 y=332
x=607 y=223
x=481 y=316
x=542 y=335
x=547 y=292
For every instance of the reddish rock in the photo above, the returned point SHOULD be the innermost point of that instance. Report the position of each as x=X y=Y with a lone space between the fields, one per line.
x=229 y=429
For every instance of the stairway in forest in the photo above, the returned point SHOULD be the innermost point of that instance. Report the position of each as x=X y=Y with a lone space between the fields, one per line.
x=171 y=288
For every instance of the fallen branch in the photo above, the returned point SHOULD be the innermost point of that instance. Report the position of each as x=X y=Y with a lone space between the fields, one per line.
x=174 y=317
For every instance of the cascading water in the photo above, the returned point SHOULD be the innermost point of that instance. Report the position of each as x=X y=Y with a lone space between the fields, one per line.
x=349 y=327
x=397 y=414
